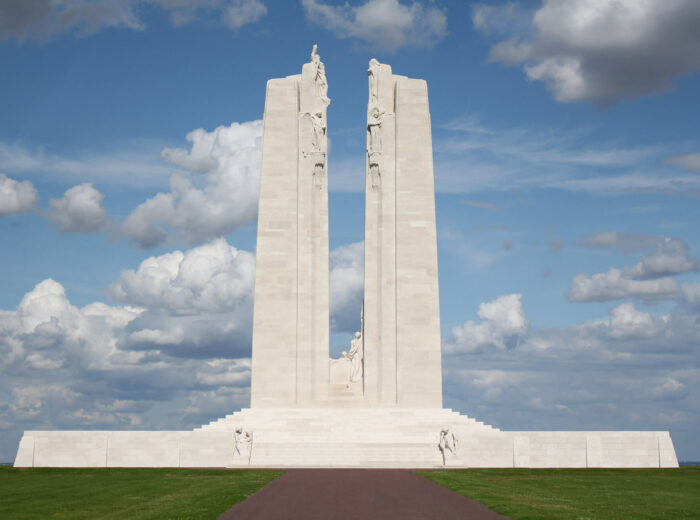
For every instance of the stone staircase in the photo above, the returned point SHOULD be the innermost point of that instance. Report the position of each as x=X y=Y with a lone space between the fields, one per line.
x=350 y=437
x=326 y=420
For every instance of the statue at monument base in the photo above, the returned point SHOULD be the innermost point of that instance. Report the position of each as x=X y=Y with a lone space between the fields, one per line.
x=346 y=372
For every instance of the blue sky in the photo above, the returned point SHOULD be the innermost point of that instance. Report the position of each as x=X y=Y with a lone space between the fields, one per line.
x=567 y=167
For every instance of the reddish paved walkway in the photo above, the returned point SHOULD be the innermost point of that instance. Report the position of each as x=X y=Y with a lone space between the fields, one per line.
x=356 y=494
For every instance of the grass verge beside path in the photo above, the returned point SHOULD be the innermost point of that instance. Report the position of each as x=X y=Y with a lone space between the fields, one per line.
x=118 y=493
x=580 y=494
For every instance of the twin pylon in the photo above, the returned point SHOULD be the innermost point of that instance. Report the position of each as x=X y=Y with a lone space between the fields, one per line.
x=401 y=363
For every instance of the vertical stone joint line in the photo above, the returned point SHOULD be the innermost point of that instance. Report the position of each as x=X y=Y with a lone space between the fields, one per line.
x=395 y=317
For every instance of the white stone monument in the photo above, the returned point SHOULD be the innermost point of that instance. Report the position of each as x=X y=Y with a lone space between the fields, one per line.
x=380 y=404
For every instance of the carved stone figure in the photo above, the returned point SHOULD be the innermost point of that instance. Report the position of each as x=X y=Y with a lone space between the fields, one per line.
x=374 y=127
x=243 y=444
x=314 y=133
x=347 y=372
x=356 y=357
x=373 y=87
x=319 y=175
x=448 y=443
x=318 y=123
x=374 y=131
x=375 y=176
x=320 y=77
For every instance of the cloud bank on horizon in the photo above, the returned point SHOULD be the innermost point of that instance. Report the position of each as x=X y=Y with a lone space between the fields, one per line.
x=570 y=291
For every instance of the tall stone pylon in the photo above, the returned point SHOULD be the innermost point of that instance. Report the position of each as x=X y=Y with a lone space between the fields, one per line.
x=402 y=350
x=291 y=316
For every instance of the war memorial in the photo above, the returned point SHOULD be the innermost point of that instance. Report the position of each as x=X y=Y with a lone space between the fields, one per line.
x=380 y=404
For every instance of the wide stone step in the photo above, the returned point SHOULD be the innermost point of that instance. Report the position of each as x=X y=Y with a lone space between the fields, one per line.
x=351 y=430
x=321 y=418
x=340 y=428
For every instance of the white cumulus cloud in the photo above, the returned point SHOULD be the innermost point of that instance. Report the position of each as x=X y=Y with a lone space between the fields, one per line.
x=502 y=321
x=199 y=302
x=649 y=278
x=598 y=50
x=672 y=257
x=382 y=24
x=616 y=284
x=46 y=331
x=16 y=196
x=627 y=322
x=229 y=156
x=214 y=277
x=79 y=210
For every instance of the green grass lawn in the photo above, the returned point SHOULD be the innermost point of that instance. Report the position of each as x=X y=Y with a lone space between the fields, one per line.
x=522 y=494
x=573 y=494
x=136 y=494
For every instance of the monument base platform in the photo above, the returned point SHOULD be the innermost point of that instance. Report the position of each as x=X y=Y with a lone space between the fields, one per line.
x=351 y=437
